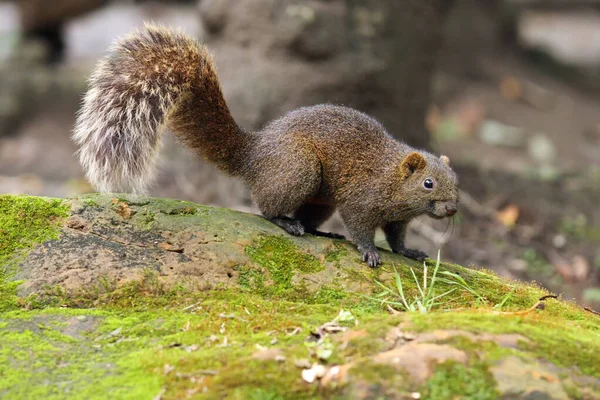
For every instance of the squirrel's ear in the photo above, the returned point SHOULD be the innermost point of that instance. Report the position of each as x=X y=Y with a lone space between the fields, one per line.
x=445 y=159
x=412 y=163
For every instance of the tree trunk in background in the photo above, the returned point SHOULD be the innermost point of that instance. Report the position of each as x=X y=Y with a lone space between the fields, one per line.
x=411 y=41
x=375 y=55
x=44 y=20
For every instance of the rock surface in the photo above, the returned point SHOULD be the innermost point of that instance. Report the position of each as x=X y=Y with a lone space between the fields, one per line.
x=127 y=297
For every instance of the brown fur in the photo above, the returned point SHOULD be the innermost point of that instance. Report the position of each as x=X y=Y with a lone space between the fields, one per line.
x=300 y=167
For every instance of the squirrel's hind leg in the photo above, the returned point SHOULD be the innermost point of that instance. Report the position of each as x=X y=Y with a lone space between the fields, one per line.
x=313 y=215
x=281 y=189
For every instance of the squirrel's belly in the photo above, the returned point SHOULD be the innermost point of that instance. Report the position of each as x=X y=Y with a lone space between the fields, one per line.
x=320 y=200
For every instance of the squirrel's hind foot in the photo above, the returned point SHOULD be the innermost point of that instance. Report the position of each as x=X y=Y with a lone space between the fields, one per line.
x=290 y=225
x=413 y=254
x=329 y=235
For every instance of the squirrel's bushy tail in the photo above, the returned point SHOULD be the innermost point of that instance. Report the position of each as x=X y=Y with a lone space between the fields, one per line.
x=153 y=77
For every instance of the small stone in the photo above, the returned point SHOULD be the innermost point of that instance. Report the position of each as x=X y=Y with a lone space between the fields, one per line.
x=116 y=332
x=415 y=395
x=541 y=148
x=498 y=134
x=309 y=375
x=268 y=354
x=519 y=379
x=511 y=88
x=517 y=265
x=167 y=369
x=559 y=241
x=81 y=318
x=419 y=359
x=319 y=370
x=192 y=348
x=548 y=173
x=303 y=363
x=315 y=372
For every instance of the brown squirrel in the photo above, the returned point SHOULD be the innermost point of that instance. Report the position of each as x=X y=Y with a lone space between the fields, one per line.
x=300 y=167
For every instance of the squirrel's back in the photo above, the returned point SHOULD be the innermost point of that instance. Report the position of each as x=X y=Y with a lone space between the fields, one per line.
x=343 y=138
x=152 y=77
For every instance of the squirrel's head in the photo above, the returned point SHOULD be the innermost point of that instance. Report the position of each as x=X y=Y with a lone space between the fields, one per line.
x=431 y=183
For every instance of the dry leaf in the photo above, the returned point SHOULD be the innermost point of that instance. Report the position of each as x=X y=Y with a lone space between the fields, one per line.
x=581 y=268
x=469 y=116
x=268 y=354
x=121 y=208
x=575 y=270
x=336 y=375
x=508 y=215
x=433 y=119
x=348 y=336
x=169 y=247
x=167 y=369
x=511 y=88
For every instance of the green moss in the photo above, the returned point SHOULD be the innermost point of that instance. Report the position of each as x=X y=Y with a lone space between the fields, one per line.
x=25 y=222
x=384 y=381
x=328 y=295
x=277 y=260
x=8 y=294
x=90 y=202
x=252 y=278
x=336 y=254
x=453 y=380
x=573 y=391
x=491 y=350
x=147 y=292
x=134 y=343
x=280 y=253
x=137 y=338
x=258 y=394
x=184 y=210
x=559 y=333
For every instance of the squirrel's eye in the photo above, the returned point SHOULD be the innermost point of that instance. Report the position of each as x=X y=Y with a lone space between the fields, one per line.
x=428 y=184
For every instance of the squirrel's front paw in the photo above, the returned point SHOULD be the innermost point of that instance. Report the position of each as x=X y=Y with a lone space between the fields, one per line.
x=414 y=254
x=371 y=256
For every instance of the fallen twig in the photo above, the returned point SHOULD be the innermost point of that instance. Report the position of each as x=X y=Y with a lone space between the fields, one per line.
x=539 y=303
x=190 y=306
x=475 y=207
x=592 y=311
x=423 y=229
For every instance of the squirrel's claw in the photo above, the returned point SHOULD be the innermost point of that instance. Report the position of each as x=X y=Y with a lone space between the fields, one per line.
x=413 y=254
x=291 y=226
x=329 y=235
x=371 y=256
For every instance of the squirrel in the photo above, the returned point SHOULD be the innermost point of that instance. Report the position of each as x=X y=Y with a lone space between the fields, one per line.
x=300 y=167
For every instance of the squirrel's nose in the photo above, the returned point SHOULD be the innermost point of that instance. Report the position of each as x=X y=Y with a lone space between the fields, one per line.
x=450 y=209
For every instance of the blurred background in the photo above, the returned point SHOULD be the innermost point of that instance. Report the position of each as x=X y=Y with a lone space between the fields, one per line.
x=508 y=89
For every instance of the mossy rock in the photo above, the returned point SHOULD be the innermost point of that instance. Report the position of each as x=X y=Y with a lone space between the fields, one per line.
x=141 y=298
